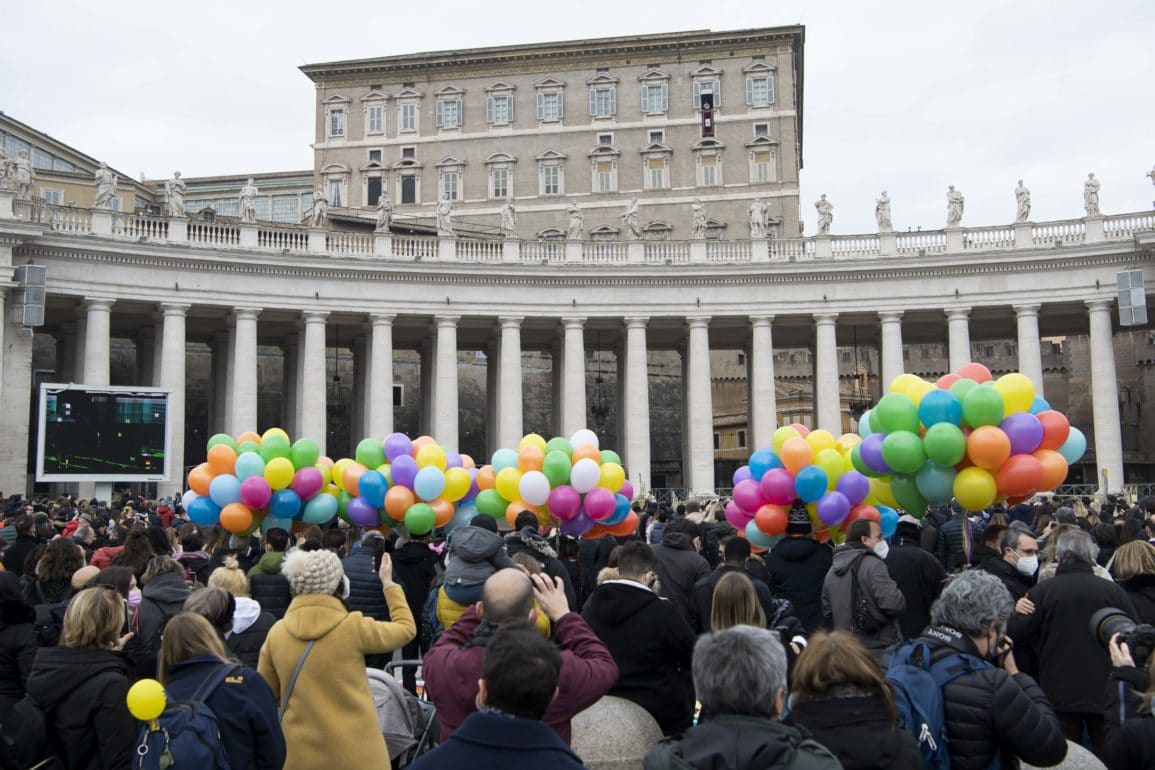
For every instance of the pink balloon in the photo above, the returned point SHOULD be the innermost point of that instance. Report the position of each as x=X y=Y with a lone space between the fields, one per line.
x=777 y=486
x=564 y=502
x=255 y=492
x=600 y=503
x=748 y=495
x=627 y=490
x=736 y=516
x=306 y=483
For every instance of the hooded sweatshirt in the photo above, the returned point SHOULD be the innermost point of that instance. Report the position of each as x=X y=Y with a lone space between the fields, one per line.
x=474 y=555
x=250 y=627
x=161 y=599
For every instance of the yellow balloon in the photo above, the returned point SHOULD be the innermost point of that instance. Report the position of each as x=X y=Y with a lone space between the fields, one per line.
x=781 y=436
x=146 y=699
x=457 y=483
x=880 y=488
x=275 y=432
x=832 y=464
x=531 y=439
x=386 y=470
x=820 y=439
x=847 y=442
x=431 y=455
x=903 y=381
x=333 y=490
x=612 y=476
x=1018 y=392
x=975 y=488
x=507 y=484
x=279 y=472
x=337 y=473
x=919 y=389
x=326 y=474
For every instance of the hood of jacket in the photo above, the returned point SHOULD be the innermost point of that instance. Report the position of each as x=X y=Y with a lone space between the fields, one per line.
x=247 y=612
x=1141 y=584
x=534 y=541
x=475 y=544
x=270 y=562
x=907 y=534
x=797 y=548
x=617 y=603
x=58 y=671
x=845 y=555
x=169 y=591
x=413 y=553
x=726 y=742
x=677 y=540
x=313 y=615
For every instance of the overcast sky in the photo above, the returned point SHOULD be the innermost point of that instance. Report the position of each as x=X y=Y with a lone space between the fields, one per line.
x=906 y=96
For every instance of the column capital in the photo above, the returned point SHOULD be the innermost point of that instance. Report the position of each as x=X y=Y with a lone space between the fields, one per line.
x=174 y=309
x=99 y=303
x=958 y=313
x=636 y=321
x=314 y=316
x=761 y=320
x=446 y=321
x=509 y=321
x=698 y=321
x=1023 y=311
x=825 y=319
x=573 y=322
x=382 y=319
x=890 y=316
x=1099 y=305
x=245 y=313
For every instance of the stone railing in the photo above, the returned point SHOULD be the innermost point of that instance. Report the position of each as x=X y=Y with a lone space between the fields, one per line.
x=64 y=219
x=137 y=227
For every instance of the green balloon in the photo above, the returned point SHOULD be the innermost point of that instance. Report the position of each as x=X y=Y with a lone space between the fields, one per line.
x=903 y=451
x=559 y=444
x=895 y=412
x=859 y=465
x=274 y=446
x=961 y=388
x=983 y=406
x=945 y=444
x=221 y=438
x=420 y=518
x=556 y=467
x=610 y=456
x=304 y=453
x=343 y=500
x=906 y=493
x=370 y=453
x=248 y=446
x=490 y=503
x=875 y=422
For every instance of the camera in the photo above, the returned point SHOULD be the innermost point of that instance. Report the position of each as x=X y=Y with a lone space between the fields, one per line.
x=1139 y=637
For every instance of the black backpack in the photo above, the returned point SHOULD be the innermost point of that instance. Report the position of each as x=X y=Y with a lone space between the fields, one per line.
x=25 y=739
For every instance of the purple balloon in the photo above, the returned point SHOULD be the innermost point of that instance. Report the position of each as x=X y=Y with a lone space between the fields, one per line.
x=577 y=526
x=397 y=445
x=742 y=474
x=362 y=513
x=473 y=490
x=833 y=508
x=1025 y=432
x=564 y=502
x=871 y=449
x=453 y=459
x=855 y=486
x=403 y=470
x=307 y=482
x=627 y=490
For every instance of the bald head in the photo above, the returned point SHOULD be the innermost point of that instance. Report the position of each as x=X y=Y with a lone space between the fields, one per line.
x=508 y=595
x=83 y=576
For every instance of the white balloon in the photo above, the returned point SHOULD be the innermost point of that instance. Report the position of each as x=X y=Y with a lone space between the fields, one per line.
x=584 y=475
x=187 y=498
x=534 y=487
x=585 y=437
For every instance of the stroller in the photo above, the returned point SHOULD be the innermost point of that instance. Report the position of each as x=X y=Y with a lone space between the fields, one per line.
x=408 y=723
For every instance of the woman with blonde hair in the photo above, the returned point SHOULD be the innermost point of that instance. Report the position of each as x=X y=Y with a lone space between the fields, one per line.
x=1134 y=567
x=736 y=603
x=82 y=684
x=250 y=624
x=193 y=660
x=840 y=695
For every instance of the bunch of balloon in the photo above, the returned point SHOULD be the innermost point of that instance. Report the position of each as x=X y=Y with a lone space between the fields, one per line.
x=968 y=436
x=805 y=470
x=260 y=481
x=571 y=483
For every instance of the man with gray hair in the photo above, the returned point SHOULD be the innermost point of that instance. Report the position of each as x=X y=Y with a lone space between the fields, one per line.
x=1055 y=622
x=740 y=680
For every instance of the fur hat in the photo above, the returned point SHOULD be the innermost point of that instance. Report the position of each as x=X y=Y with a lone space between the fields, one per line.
x=313 y=572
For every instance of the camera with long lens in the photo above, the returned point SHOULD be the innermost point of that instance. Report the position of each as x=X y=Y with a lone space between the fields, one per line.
x=1139 y=637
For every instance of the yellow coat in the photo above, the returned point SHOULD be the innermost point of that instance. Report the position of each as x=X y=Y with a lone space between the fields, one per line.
x=331 y=721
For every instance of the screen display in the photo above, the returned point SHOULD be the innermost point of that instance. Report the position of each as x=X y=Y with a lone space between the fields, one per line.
x=96 y=434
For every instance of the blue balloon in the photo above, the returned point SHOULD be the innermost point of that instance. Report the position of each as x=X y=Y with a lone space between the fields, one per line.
x=285 y=504
x=761 y=461
x=373 y=487
x=319 y=509
x=1040 y=404
x=940 y=406
x=462 y=516
x=272 y=522
x=621 y=511
x=225 y=489
x=502 y=459
x=888 y=520
x=204 y=512
x=429 y=483
x=810 y=483
x=1074 y=447
x=759 y=538
x=249 y=464
x=864 y=428
x=935 y=483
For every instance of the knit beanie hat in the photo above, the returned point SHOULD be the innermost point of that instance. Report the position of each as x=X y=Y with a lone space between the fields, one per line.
x=798 y=521
x=313 y=572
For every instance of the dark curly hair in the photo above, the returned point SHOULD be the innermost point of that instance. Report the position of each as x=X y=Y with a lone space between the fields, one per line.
x=61 y=558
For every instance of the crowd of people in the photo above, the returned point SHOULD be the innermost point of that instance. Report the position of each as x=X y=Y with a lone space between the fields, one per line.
x=806 y=655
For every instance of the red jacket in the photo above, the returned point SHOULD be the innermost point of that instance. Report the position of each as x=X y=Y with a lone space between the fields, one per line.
x=452 y=669
x=104 y=556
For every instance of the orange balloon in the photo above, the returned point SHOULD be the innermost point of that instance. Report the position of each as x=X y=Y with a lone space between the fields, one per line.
x=988 y=447
x=421 y=441
x=468 y=462
x=596 y=531
x=516 y=507
x=584 y=451
x=236 y=518
x=397 y=502
x=486 y=478
x=326 y=461
x=530 y=458
x=352 y=478
x=627 y=527
x=1054 y=469
x=975 y=371
x=222 y=458
x=249 y=436
x=771 y=519
x=199 y=479
x=796 y=454
x=442 y=510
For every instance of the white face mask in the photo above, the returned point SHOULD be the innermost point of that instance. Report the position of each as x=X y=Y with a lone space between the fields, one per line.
x=882 y=548
x=1028 y=565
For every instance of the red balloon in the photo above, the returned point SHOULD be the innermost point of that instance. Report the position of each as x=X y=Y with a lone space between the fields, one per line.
x=975 y=371
x=626 y=527
x=947 y=380
x=771 y=519
x=1056 y=428
x=1021 y=475
x=862 y=511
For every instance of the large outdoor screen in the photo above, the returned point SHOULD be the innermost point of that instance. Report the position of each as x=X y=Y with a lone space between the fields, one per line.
x=102 y=434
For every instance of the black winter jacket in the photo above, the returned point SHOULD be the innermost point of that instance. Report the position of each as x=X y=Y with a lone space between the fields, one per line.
x=16 y=554
x=161 y=599
x=652 y=644
x=1130 y=743
x=797 y=567
x=366 y=594
x=990 y=710
x=272 y=591
x=858 y=730
x=679 y=567
x=251 y=625
x=17 y=649
x=1016 y=582
x=919 y=576
x=952 y=549
x=731 y=742
x=703 y=599
x=414 y=568
x=1141 y=590
x=83 y=692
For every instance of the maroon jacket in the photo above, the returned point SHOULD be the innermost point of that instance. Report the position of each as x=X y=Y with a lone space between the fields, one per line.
x=452 y=669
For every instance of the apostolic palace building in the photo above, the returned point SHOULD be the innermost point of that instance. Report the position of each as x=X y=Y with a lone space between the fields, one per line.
x=544 y=237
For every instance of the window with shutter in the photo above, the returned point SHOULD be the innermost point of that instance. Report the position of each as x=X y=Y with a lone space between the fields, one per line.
x=438 y=118
x=540 y=106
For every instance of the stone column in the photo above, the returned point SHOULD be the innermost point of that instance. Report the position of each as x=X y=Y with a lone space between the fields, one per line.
x=959 y=334
x=148 y=358
x=636 y=404
x=1030 y=349
x=15 y=405
x=243 y=415
x=172 y=378
x=556 y=384
x=97 y=343
x=291 y=362
x=573 y=389
x=762 y=399
x=892 y=363
x=313 y=395
x=827 y=393
x=428 y=391
x=445 y=416
x=699 y=407
x=220 y=403
x=509 y=403
x=380 y=384
x=1105 y=397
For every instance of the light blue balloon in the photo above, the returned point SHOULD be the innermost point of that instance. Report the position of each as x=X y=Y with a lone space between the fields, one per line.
x=938 y=406
x=761 y=461
x=285 y=504
x=759 y=538
x=249 y=464
x=935 y=483
x=810 y=483
x=864 y=429
x=1040 y=404
x=464 y=514
x=1072 y=449
x=888 y=520
x=502 y=459
x=429 y=483
x=272 y=522
x=225 y=489
x=319 y=510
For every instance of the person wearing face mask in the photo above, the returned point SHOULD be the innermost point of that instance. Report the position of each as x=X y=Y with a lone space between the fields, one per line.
x=858 y=594
x=1016 y=564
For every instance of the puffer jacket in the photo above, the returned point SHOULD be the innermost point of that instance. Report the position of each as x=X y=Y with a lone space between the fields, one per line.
x=884 y=600
x=251 y=625
x=729 y=742
x=474 y=554
x=272 y=592
x=17 y=649
x=679 y=567
x=1130 y=739
x=858 y=730
x=364 y=586
x=953 y=550
x=989 y=710
x=797 y=567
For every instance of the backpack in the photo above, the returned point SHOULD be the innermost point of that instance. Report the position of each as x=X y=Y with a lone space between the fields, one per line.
x=918 y=684
x=188 y=730
x=24 y=736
